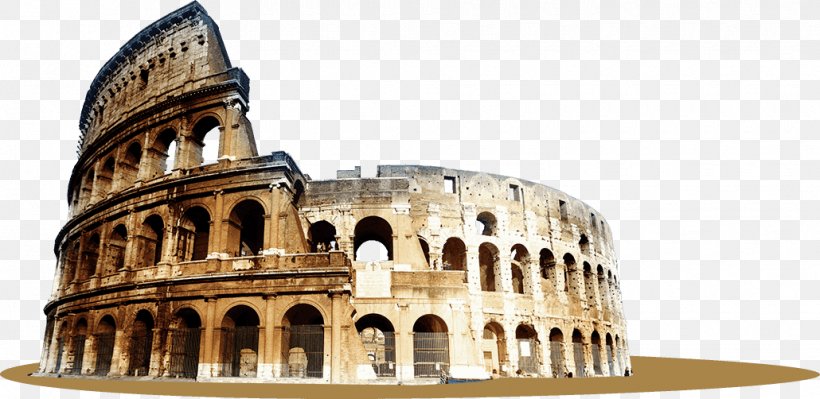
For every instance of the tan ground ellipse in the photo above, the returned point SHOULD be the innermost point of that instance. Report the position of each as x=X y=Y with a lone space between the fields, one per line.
x=651 y=374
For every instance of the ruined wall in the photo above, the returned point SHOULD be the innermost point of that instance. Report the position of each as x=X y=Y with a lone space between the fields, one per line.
x=247 y=268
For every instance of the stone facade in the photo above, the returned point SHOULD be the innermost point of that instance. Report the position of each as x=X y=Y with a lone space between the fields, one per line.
x=248 y=268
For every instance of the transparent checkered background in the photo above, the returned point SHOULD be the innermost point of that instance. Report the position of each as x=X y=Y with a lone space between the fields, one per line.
x=695 y=129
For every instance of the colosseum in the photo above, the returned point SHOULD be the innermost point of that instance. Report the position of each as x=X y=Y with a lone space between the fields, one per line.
x=174 y=265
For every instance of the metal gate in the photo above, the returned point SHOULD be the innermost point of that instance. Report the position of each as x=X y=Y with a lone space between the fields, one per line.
x=578 y=350
x=234 y=340
x=431 y=354
x=78 y=347
x=140 y=353
x=557 y=359
x=596 y=359
x=60 y=344
x=311 y=339
x=184 y=352
x=105 y=351
x=381 y=349
x=610 y=360
x=528 y=355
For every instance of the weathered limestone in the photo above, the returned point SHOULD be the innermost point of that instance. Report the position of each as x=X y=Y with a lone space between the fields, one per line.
x=248 y=269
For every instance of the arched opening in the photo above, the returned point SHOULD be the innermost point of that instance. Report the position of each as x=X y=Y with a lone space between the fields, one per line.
x=486 y=224
x=87 y=189
x=165 y=152
x=130 y=165
x=603 y=291
x=583 y=243
x=116 y=249
x=425 y=250
x=205 y=143
x=488 y=266
x=431 y=347
x=239 y=342
x=322 y=236
x=77 y=351
x=139 y=353
x=589 y=286
x=91 y=253
x=70 y=262
x=619 y=350
x=526 y=338
x=61 y=342
x=373 y=240
x=246 y=228
x=571 y=283
x=303 y=342
x=151 y=240
x=104 y=343
x=106 y=177
x=557 y=353
x=194 y=232
x=519 y=261
x=546 y=262
x=185 y=333
x=379 y=339
x=595 y=341
x=610 y=355
x=578 y=353
x=454 y=255
x=494 y=348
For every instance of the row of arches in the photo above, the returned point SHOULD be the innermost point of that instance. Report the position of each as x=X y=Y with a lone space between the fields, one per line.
x=77 y=349
x=105 y=251
x=148 y=157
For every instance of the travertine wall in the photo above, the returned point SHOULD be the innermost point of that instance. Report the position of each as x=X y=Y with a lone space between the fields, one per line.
x=247 y=268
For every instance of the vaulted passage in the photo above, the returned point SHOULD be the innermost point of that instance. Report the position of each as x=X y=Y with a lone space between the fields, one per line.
x=519 y=265
x=546 y=261
x=379 y=339
x=150 y=241
x=193 y=235
x=486 y=224
x=163 y=153
x=322 y=236
x=488 y=266
x=596 y=353
x=557 y=353
x=494 y=347
x=77 y=350
x=91 y=254
x=373 y=240
x=239 y=342
x=578 y=353
x=116 y=250
x=205 y=144
x=303 y=342
x=454 y=255
x=431 y=347
x=104 y=345
x=185 y=337
x=528 y=349
x=246 y=229
x=139 y=345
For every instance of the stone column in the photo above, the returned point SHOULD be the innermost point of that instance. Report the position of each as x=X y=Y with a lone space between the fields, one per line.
x=336 y=335
x=404 y=346
x=208 y=362
x=216 y=242
x=117 y=358
x=534 y=273
x=503 y=272
x=131 y=247
x=269 y=349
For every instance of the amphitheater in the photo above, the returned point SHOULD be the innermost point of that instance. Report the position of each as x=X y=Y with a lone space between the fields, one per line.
x=172 y=265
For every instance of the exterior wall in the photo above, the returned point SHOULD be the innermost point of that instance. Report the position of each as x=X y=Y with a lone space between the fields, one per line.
x=187 y=248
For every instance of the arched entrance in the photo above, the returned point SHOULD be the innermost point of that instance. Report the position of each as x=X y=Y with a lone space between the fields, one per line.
x=610 y=356
x=379 y=339
x=139 y=353
x=303 y=342
x=488 y=266
x=322 y=236
x=193 y=234
x=557 y=353
x=528 y=348
x=78 y=347
x=185 y=333
x=494 y=347
x=373 y=240
x=104 y=345
x=596 y=353
x=246 y=229
x=431 y=347
x=239 y=342
x=578 y=353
